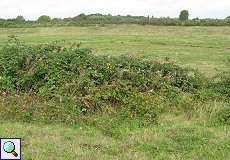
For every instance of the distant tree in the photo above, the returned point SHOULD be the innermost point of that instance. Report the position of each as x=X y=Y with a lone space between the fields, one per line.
x=99 y=14
x=56 y=20
x=81 y=16
x=184 y=15
x=196 y=18
x=227 y=19
x=20 y=19
x=44 y=19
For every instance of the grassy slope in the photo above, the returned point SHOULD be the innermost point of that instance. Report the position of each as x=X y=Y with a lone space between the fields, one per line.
x=174 y=137
x=205 y=48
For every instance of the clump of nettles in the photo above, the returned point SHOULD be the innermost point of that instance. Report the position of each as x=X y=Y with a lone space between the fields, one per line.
x=67 y=83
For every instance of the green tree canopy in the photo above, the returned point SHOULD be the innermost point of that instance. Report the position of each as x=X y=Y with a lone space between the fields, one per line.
x=81 y=16
x=56 y=20
x=44 y=19
x=184 y=15
x=20 y=19
x=227 y=19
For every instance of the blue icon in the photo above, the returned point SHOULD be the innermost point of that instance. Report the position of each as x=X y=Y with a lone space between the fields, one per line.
x=9 y=147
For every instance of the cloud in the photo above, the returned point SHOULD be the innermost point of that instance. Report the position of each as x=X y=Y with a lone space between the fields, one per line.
x=31 y=9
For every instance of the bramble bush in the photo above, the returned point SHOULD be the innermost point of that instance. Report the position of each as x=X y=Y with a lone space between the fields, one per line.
x=223 y=116
x=222 y=84
x=68 y=83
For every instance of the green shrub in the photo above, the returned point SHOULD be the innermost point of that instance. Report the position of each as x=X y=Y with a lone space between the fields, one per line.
x=72 y=82
x=141 y=107
x=223 y=116
x=222 y=84
x=52 y=65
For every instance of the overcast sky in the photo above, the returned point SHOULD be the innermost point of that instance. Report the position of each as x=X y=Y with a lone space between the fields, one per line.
x=31 y=9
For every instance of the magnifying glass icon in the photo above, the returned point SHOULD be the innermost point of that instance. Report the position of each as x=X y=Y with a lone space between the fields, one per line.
x=9 y=147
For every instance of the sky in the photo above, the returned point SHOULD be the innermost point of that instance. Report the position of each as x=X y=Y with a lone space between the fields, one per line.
x=32 y=9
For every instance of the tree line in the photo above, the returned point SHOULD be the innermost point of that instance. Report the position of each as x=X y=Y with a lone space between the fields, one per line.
x=94 y=19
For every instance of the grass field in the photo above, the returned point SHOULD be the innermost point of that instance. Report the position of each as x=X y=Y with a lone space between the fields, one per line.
x=204 y=48
x=176 y=136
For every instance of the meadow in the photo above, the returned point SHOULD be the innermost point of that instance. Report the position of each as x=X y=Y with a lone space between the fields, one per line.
x=205 y=48
x=193 y=118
